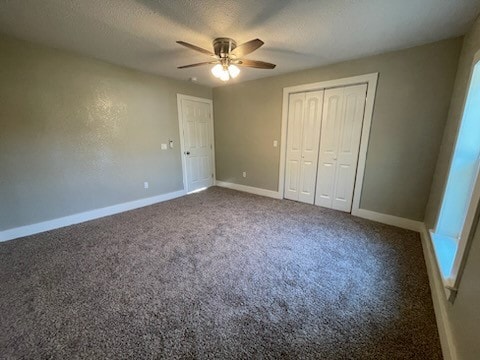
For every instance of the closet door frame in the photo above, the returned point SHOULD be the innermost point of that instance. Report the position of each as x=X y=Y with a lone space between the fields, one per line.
x=371 y=81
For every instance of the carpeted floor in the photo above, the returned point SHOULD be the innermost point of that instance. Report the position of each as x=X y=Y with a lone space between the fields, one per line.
x=219 y=274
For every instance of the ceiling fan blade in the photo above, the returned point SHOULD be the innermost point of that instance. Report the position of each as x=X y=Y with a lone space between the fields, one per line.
x=196 y=48
x=197 y=64
x=247 y=48
x=255 y=64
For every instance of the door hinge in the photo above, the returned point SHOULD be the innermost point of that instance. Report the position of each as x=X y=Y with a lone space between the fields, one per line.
x=212 y=176
x=211 y=147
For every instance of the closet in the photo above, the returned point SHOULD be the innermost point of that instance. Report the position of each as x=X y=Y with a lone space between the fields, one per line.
x=323 y=141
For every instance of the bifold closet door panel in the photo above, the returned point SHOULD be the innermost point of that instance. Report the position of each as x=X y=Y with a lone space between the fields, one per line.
x=303 y=136
x=310 y=144
x=296 y=104
x=349 y=146
x=331 y=120
x=339 y=146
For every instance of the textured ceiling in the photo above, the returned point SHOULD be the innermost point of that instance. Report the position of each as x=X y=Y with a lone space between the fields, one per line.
x=141 y=34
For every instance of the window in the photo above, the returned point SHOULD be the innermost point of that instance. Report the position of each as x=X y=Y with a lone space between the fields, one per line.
x=462 y=192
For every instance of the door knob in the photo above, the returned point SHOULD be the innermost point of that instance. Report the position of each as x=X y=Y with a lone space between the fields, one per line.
x=187 y=152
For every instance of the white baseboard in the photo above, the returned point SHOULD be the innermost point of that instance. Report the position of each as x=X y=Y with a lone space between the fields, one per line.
x=389 y=219
x=438 y=296
x=85 y=216
x=250 y=189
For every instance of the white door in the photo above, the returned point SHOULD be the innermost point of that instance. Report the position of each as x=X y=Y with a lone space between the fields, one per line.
x=197 y=125
x=303 y=132
x=339 y=146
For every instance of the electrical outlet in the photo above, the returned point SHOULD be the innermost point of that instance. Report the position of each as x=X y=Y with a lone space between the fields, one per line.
x=275 y=143
x=145 y=185
x=244 y=174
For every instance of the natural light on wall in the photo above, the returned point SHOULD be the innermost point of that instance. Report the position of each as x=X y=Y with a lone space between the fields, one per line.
x=456 y=217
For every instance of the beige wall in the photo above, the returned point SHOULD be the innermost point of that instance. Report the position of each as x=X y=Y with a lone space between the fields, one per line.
x=413 y=96
x=78 y=134
x=464 y=314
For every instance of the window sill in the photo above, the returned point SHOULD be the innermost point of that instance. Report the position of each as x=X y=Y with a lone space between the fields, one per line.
x=445 y=249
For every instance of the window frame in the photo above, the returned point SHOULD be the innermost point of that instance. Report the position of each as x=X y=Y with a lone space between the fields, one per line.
x=451 y=281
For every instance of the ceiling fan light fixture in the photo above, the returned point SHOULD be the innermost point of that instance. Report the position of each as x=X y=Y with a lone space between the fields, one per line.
x=217 y=70
x=233 y=70
x=225 y=75
x=228 y=57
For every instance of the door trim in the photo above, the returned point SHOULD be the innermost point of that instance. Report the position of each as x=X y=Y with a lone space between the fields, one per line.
x=371 y=81
x=181 y=97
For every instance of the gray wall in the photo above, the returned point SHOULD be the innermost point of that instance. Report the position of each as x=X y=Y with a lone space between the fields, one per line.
x=78 y=134
x=464 y=314
x=413 y=96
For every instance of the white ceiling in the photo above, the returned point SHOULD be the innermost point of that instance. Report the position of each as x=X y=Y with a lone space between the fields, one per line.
x=141 y=34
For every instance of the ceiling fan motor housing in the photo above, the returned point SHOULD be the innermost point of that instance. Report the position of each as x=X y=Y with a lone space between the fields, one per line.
x=223 y=46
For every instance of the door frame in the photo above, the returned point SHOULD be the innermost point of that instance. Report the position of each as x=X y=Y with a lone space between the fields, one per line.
x=371 y=80
x=181 y=97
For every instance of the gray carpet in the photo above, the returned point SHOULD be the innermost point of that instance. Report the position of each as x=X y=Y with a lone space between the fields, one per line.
x=219 y=274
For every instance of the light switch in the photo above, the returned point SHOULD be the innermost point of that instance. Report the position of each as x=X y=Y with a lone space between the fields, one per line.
x=164 y=146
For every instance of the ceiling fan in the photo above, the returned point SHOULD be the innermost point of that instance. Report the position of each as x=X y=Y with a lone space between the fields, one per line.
x=227 y=56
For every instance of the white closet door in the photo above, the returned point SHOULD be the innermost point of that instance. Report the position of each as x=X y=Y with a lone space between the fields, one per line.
x=332 y=112
x=310 y=139
x=339 y=146
x=296 y=104
x=303 y=132
x=349 y=146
